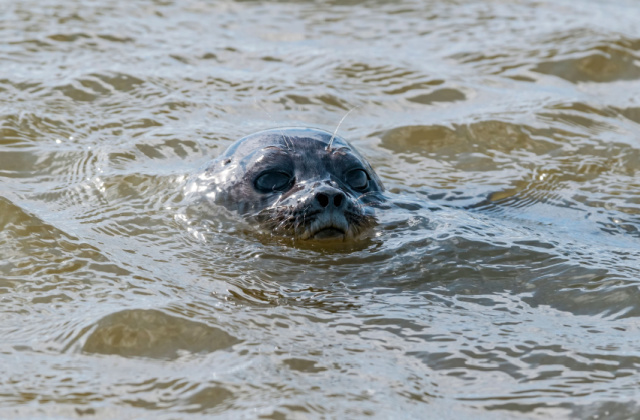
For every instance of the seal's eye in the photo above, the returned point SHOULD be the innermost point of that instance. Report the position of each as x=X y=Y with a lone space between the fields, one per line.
x=273 y=181
x=358 y=179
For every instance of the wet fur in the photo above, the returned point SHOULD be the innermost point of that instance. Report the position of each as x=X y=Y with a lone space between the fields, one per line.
x=316 y=161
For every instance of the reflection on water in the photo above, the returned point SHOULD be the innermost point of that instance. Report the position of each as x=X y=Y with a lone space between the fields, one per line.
x=502 y=280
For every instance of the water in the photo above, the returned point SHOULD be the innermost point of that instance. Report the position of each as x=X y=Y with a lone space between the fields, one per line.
x=501 y=282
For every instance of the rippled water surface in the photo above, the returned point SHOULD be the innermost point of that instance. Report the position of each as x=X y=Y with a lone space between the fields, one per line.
x=502 y=281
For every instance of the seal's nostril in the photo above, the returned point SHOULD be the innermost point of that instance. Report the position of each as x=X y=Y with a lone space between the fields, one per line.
x=337 y=200
x=323 y=199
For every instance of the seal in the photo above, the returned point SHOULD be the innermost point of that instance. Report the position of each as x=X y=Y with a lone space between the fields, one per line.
x=299 y=182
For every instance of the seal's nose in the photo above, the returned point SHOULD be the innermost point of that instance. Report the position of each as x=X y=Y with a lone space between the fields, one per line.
x=328 y=197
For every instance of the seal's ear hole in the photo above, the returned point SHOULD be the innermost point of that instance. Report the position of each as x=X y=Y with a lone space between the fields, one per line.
x=358 y=179
x=273 y=181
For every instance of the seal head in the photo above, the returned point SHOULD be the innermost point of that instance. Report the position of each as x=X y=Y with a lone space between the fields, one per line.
x=297 y=182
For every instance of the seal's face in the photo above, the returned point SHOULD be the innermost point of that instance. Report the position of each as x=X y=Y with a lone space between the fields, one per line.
x=294 y=183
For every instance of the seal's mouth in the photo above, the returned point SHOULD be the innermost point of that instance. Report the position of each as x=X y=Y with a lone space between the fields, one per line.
x=303 y=224
x=330 y=232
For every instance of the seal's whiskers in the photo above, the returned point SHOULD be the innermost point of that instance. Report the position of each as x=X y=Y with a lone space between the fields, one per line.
x=339 y=124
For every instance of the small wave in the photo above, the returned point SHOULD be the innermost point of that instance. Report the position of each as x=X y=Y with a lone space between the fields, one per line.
x=154 y=334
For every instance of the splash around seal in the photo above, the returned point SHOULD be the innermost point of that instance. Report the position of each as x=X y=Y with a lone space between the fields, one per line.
x=299 y=182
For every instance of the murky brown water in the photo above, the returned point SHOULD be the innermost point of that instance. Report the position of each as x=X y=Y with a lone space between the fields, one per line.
x=502 y=282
